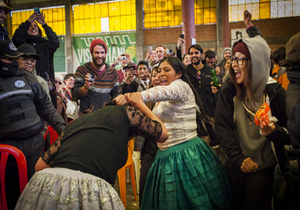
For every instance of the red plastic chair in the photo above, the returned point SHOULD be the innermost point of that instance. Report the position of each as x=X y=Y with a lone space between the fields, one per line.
x=53 y=134
x=122 y=175
x=6 y=150
x=52 y=137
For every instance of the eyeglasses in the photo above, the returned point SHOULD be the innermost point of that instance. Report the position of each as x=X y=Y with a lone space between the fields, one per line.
x=32 y=60
x=59 y=82
x=240 y=60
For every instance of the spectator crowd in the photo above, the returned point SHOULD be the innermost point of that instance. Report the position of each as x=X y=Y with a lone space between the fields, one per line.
x=212 y=133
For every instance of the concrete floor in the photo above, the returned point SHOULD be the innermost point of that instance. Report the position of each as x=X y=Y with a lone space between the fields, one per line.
x=131 y=203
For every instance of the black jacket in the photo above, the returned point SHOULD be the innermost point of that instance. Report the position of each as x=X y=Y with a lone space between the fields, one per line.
x=178 y=53
x=293 y=108
x=204 y=90
x=44 y=48
x=225 y=126
x=23 y=103
x=3 y=33
x=132 y=87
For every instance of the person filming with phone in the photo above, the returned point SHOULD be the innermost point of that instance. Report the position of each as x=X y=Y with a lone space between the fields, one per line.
x=151 y=56
x=30 y=33
x=140 y=83
x=96 y=82
x=180 y=42
x=124 y=59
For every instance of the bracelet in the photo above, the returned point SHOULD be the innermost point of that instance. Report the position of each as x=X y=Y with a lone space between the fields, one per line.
x=85 y=86
x=215 y=147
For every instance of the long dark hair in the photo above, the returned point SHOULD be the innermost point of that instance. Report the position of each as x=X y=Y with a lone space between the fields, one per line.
x=201 y=117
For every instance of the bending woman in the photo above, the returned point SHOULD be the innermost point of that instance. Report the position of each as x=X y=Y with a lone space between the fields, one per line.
x=85 y=160
x=186 y=173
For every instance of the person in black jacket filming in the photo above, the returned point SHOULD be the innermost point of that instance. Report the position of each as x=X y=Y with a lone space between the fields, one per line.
x=23 y=103
x=29 y=33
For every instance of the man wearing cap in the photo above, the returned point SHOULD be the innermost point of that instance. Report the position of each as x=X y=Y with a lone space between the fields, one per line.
x=123 y=59
x=23 y=103
x=28 y=61
x=140 y=83
x=4 y=10
x=129 y=74
x=95 y=82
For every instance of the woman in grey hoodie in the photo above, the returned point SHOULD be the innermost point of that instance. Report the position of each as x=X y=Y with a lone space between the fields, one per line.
x=251 y=160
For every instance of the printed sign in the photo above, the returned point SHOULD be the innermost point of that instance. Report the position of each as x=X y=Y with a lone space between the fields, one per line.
x=116 y=45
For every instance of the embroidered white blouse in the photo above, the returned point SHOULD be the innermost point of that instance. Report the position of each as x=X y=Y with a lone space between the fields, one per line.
x=177 y=110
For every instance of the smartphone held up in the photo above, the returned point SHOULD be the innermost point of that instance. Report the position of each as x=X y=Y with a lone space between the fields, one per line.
x=182 y=37
x=36 y=10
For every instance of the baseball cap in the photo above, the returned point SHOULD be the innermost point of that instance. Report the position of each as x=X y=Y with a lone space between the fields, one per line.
x=9 y=50
x=28 y=50
x=127 y=66
x=292 y=51
x=4 y=7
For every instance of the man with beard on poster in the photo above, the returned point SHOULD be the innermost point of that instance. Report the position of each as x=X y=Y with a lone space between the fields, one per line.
x=95 y=82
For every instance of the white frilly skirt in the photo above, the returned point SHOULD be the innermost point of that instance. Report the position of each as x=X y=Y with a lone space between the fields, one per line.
x=61 y=188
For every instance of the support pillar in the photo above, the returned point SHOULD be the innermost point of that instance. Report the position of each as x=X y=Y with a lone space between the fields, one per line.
x=8 y=25
x=188 y=23
x=68 y=37
x=226 y=29
x=219 y=30
x=139 y=33
x=223 y=28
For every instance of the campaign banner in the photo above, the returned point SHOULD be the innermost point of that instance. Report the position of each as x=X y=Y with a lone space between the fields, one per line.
x=59 y=58
x=117 y=44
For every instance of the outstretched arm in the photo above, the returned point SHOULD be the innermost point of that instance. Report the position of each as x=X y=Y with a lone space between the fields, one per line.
x=135 y=99
x=251 y=30
x=176 y=91
x=20 y=33
x=247 y=18
x=53 y=42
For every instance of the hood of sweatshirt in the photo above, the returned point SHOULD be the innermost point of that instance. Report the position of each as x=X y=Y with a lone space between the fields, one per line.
x=34 y=72
x=261 y=63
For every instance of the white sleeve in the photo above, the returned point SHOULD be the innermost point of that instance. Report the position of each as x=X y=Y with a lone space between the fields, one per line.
x=176 y=91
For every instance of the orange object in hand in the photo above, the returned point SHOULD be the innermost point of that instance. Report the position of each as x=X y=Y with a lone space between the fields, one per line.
x=261 y=116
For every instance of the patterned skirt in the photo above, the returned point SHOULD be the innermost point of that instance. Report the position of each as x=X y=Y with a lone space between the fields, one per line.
x=187 y=176
x=61 y=188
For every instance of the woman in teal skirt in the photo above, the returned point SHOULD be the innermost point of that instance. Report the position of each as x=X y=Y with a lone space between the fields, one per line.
x=186 y=173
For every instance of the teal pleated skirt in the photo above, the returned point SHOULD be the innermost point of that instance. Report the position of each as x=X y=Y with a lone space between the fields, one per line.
x=187 y=176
